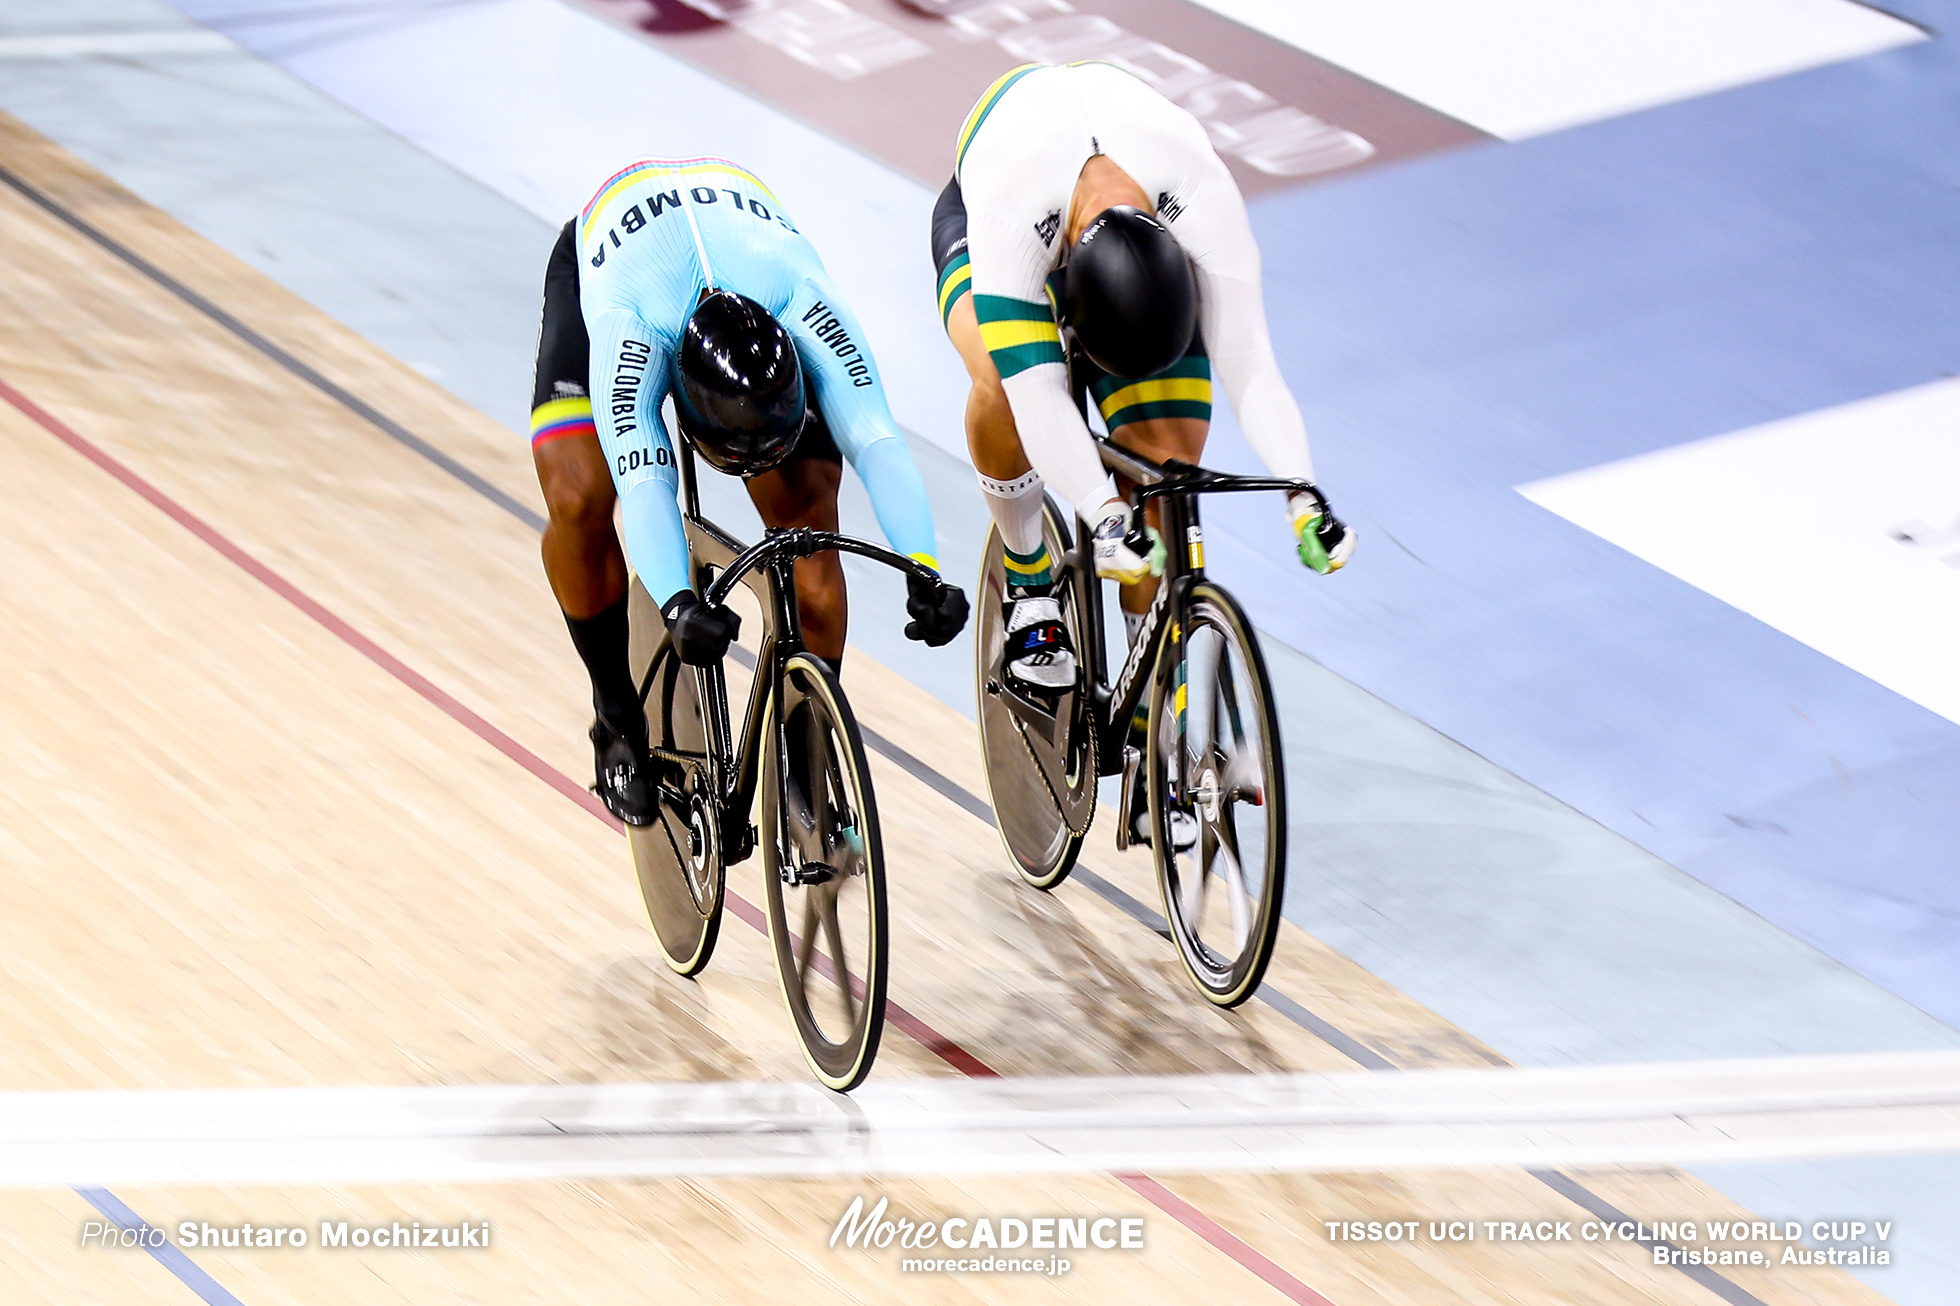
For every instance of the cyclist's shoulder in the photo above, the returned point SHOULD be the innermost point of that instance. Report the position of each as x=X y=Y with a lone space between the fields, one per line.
x=1044 y=88
x=829 y=336
x=1030 y=131
x=652 y=213
x=671 y=176
x=1003 y=111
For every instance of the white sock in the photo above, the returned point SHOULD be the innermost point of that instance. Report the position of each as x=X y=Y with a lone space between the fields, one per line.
x=1016 y=508
x=1132 y=623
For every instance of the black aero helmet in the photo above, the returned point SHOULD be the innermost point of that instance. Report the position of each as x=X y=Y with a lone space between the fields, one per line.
x=1128 y=295
x=738 y=389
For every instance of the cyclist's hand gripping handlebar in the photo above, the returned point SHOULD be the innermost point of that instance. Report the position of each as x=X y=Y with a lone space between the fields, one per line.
x=938 y=610
x=701 y=632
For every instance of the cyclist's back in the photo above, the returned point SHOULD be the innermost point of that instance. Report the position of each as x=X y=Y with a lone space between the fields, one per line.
x=1019 y=154
x=661 y=231
x=654 y=238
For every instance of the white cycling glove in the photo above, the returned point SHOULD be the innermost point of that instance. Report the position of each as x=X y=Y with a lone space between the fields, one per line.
x=1126 y=550
x=1325 y=541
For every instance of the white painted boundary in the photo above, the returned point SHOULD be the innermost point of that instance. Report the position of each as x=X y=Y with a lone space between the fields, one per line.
x=99 y=45
x=1519 y=68
x=1610 y=1115
x=1840 y=528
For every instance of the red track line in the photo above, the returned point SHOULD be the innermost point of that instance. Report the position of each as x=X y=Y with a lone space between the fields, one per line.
x=1222 y=1238
x=945 y=1048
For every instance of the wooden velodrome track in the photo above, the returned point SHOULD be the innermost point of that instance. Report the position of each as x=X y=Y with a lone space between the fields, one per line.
x=294 y=755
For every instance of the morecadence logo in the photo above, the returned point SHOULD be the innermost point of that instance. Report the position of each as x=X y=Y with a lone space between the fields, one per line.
x=876 y=1226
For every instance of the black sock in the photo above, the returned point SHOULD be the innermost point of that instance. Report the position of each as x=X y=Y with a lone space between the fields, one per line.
x=601 y=644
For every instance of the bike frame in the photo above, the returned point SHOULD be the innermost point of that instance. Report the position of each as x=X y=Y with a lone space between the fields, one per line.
x=1177 y=485
x=718 y=562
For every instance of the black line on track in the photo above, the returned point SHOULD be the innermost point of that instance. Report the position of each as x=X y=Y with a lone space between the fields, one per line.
x=347 y=399
x=1577 y=1193
x=1349 y=1046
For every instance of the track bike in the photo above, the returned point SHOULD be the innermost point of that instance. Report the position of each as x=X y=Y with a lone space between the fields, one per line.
x=1210 y=768
x=823 y=866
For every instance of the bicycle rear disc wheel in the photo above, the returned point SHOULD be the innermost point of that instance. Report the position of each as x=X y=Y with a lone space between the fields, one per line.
x=1041 y=777
x=678 y=858
x=824 y=876
x=1214 y=740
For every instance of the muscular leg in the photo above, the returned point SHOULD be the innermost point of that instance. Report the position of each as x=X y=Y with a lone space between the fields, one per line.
x=1013 y=491
x=803 y=492
x=990 y=434
x=587 y=571
x=582 y=558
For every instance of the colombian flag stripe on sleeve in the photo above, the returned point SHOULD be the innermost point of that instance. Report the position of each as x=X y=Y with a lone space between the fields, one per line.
x=562 y=417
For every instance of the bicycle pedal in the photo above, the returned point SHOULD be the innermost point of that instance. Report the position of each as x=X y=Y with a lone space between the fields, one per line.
x=1033 y=708
x=809 y=874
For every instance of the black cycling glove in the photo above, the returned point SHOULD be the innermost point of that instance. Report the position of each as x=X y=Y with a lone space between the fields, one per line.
x=701 y=631
x=938 y=610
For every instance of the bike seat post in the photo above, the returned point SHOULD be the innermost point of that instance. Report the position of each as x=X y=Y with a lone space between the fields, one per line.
x=789 y=619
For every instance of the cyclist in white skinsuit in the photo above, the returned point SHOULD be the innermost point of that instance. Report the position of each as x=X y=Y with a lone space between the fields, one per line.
x=1045 y=156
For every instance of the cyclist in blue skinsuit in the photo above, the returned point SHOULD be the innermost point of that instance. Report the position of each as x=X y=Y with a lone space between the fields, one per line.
x=685 y=277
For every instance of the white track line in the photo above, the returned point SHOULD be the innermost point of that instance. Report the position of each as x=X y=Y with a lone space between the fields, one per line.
x=127 y=45
x=1611 y=1115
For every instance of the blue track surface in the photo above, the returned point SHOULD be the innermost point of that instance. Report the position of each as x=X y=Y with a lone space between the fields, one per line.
x=1464 y=324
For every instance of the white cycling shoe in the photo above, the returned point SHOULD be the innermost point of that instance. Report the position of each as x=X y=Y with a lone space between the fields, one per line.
x=1037 y=652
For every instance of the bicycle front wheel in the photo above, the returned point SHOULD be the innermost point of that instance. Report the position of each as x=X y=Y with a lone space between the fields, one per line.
x=824 y=875
x=1217 y=796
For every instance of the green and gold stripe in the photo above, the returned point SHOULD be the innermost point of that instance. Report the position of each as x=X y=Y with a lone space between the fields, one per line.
x=986 y=106
x=955 y=281
x=1028 y=570
x=1018 y=333
x=1181 y=390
